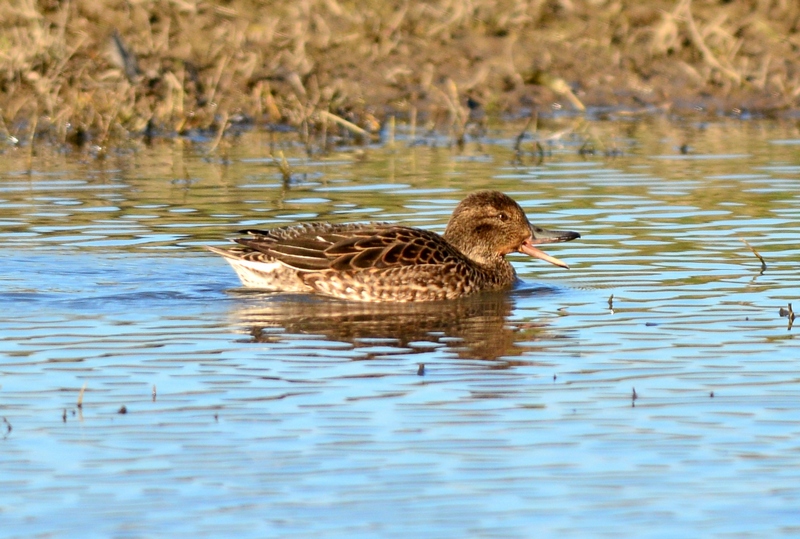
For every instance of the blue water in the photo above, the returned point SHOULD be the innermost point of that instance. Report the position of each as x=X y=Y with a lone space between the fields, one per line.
x=510 y=415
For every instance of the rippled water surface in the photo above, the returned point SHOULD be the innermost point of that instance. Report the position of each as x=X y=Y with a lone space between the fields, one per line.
x=510 y=415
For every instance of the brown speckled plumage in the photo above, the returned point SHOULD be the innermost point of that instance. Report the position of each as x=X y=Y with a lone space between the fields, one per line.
x=385 y=262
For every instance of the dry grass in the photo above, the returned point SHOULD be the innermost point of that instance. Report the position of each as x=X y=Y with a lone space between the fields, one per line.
x=88 y=70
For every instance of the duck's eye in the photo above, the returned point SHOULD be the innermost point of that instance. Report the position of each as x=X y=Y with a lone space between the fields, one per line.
x=502 y=216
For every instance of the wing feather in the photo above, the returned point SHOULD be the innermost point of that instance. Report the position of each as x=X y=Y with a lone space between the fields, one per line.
x=320 y=247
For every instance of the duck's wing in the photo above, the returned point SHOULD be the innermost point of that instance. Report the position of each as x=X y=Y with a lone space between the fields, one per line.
x=343 y=248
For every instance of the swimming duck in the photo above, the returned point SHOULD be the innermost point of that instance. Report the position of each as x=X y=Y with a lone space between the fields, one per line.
x=388 y=262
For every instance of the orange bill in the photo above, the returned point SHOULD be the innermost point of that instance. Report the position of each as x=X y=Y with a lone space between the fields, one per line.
x=541 y=235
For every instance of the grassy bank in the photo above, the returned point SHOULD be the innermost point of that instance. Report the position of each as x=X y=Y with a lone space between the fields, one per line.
x=74 y=71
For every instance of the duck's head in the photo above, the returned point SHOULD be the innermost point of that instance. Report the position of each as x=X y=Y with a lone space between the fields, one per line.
x=487 y=225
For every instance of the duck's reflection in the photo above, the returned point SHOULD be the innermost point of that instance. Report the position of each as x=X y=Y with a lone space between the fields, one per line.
x=477 y=327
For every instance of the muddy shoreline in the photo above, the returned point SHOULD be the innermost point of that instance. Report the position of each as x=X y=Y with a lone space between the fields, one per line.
x=99 y=72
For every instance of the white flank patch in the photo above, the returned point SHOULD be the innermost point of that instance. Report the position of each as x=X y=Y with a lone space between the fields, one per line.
x=267 y=267
x=257 y=274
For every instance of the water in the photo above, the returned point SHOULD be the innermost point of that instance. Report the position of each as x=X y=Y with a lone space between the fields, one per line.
x=507 y=415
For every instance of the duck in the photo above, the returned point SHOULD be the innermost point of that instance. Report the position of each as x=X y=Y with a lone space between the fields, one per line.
x=385 y=262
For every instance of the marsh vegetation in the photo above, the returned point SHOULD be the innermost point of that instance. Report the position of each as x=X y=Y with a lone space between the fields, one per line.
x=83 y=71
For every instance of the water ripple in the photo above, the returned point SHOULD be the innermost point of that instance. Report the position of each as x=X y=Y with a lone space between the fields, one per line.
x=652 y=389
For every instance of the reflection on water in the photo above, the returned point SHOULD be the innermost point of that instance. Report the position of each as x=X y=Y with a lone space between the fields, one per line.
x=282 y=416
x=475 y=327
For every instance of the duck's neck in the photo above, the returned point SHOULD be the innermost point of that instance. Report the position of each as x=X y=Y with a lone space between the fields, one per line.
x=495 y=269
x=500 y=275
x=503 y=276
x=474 y=250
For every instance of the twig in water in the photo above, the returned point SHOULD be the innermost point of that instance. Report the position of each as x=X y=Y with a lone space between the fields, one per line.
x=533 y=119
x=283 y=165
x=80 y=396
x=222 y=124
x=106 y=121
x=412 y=130
x=390 y=142
x=540 y=150
x=788 y=313
x=761 y=258
x=31 y=139
x=458 y=117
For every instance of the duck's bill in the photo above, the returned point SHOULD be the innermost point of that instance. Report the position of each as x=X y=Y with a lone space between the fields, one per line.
x=530 y=250
x=541 y=235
